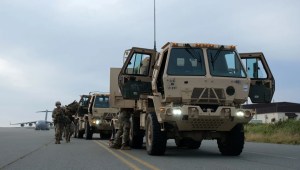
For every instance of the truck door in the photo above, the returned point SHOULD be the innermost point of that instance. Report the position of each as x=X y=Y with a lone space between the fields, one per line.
x=83 y=105
x=262 y=85
x=135 y=76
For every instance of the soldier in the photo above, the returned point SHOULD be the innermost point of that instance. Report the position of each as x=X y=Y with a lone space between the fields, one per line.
x=68 y=128
x=122 y=137
x=58 y=119
x=69 y=125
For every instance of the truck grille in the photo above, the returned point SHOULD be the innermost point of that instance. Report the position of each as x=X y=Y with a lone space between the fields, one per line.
x=206 y=124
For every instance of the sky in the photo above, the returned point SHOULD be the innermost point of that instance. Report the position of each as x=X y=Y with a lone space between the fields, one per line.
x=54 y=50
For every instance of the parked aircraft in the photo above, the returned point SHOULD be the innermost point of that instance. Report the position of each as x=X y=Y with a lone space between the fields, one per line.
x=40 y=124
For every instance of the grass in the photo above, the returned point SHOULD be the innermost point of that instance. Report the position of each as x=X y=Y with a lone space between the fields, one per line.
x=286 y=132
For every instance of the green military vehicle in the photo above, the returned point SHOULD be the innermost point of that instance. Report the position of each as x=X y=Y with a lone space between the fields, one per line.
x=94 y=115
x=190 y=92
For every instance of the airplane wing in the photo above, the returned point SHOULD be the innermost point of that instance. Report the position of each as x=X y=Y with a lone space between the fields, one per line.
x=36 y=122
x=24 y=123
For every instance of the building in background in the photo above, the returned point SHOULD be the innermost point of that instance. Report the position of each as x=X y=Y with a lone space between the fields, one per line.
x=274 y=112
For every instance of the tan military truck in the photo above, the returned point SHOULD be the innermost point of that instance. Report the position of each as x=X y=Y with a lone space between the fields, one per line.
x=190 y=92
x=94 y=116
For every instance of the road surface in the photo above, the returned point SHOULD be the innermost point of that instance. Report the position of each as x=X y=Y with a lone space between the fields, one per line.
x=23 y=148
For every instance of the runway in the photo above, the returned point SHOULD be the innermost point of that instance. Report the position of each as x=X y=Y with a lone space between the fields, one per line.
x=23 y=148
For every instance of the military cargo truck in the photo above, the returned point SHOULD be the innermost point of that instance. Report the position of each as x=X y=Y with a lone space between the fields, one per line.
x=190 y=92
x=94 y=115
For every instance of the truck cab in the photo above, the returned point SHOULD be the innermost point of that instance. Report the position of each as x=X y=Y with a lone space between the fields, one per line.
x=193 y=91
x=95 y=115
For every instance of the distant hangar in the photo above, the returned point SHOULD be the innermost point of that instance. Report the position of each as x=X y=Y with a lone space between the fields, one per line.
x=274 y=112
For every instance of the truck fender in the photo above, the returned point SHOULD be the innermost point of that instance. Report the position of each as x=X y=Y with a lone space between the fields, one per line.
x=156 y=102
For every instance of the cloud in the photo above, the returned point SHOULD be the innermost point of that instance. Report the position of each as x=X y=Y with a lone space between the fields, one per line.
x=12 y=75
x=57 y=50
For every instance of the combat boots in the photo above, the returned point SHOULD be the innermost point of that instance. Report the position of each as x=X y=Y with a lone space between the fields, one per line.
x=57 y=142
x=125 y=147
x=114 y=145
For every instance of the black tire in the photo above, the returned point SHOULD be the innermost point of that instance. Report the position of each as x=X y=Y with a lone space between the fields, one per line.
x=79 y=132
x=233 y=142
x=105 y=135
x=179 y=143
x=136 y=135
x=88 y=131
x=156 y=140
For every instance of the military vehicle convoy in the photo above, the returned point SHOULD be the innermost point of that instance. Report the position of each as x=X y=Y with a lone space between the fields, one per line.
x=94 y=116
x=190 y=92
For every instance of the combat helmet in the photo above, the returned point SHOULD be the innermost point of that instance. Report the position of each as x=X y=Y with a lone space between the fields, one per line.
x=57 y=103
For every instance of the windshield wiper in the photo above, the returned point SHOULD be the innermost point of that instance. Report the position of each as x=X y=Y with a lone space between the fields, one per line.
x=194 y=52
x=213 y=59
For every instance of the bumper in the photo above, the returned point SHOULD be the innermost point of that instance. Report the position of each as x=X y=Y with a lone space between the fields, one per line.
x=100 y=125
x=190 y=118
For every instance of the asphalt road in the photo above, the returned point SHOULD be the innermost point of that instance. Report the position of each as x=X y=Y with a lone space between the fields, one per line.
x=22 y=148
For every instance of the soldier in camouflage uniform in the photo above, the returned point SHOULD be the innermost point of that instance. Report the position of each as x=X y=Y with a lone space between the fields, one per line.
x=122 y=137
x=69 y=125
x=58 y=116
x=68 y=128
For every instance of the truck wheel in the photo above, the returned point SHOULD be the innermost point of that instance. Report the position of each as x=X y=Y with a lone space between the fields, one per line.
x=233 y=143
x=179 y=143
x=88 y=132
x=136 y=135
x=80 y=134
x=105 y=135
x=156 y=140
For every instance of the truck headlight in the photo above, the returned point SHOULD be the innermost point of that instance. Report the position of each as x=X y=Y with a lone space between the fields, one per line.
x=240 y=113
x=97 y=122
x=177 y=112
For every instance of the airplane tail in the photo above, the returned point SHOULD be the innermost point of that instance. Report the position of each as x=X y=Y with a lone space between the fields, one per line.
x=46 y=115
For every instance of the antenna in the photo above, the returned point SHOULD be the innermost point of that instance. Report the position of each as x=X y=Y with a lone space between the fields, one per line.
x=154 y=27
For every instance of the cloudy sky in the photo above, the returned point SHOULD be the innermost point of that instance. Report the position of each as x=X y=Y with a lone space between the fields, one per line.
x=58 y=49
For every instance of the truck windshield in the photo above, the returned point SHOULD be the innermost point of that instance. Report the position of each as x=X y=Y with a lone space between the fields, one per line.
x=186 y=62
x=225 y=63
x=102 y=102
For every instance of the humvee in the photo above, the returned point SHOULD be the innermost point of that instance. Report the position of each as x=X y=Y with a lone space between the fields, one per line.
x=94 y=115
x=190 y=92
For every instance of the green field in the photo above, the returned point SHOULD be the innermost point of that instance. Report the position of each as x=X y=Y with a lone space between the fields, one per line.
x=286 y=132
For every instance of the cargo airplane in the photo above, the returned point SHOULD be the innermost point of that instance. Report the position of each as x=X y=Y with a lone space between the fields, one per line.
x=40 y=124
